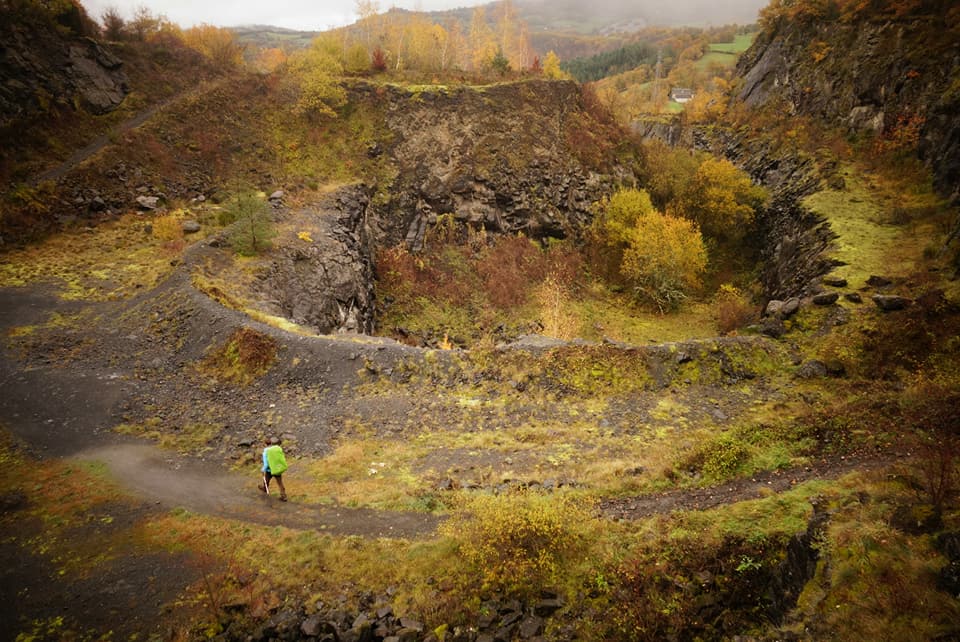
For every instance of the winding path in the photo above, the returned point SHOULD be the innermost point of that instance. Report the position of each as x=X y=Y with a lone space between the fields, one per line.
x=68 y=413
x=97 y=144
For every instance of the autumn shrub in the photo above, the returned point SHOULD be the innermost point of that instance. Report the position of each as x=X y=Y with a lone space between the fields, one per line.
x=520 y=543
x=167 y=228
x=315 y=73
x=553 y=299
x=691 y=590
x=910 y=339
x=734 y=309
x=26 y=212
x=722 y=199
x=396 y=270
x=719 y=458
x=246 y=355
x=507 y=269
x=661 y=258
x=667 y=172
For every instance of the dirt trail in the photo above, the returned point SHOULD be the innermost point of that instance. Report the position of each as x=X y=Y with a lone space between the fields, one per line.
x=173 y=480
x=68 y=411
x=97 y=144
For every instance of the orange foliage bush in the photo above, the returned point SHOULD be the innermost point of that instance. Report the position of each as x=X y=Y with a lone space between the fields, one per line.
x=502 y=271
x=734 y=310
x=507 y=268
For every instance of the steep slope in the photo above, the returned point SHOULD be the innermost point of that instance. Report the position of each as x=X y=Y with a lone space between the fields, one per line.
x=527 y=156
x=893 y=76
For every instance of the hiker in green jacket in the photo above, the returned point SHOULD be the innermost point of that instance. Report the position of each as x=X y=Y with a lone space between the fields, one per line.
x=274 y=463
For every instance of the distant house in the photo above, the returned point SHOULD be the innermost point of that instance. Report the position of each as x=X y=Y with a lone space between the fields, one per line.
x=680 y=95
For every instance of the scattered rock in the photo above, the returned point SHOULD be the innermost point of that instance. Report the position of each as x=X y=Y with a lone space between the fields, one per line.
x=549 y=604
x=190 y=227
x=277 y=195
x=826 y=298
x=835 y=281
x=853 y=297
x=890 y=303
x=97 y=204
x=311 y=626
x=812 y=369
x=948 y=579
x=147 y=202
x=835 y=368
x=878 y=281
x=773 y=308
x=790 y=307
x=773 y=327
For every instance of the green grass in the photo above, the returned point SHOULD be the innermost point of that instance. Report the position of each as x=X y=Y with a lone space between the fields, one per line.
x=740 y=44
x=673 y=107
x=610 y=317
x=723 y=59
x=868 y=243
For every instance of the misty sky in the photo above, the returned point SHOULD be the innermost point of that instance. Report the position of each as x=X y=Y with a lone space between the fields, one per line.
x=306 y=15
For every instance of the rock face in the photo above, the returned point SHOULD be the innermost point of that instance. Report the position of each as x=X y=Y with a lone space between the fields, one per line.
x=327 y=283
x=877 y=74
x=793 y=238
x=40 y=68
x=498 y=157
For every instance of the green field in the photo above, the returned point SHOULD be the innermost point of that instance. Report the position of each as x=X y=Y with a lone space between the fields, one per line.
x=740 y=44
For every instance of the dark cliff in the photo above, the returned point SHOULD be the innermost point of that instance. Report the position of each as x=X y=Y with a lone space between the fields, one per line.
x=45 y=64
x=874 y=73
x=525 y=156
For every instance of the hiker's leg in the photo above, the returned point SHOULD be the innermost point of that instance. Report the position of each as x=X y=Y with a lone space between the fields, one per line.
x=283 y=491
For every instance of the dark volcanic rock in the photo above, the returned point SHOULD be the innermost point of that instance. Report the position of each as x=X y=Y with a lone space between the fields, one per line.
x=879 y=72
x=826 y=298
x=327 y=284
x=878 y=281
x=890 y=303
x=496 y=159
x=40 y=67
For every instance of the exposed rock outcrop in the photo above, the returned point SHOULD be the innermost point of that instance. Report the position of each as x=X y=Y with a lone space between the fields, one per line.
x=498 y=157
x=875 y=74
x=326 y=283
x=40 y=68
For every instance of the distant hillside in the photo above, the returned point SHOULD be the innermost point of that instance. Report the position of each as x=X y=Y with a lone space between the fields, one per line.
x=606 y=16
x=266 y=37
x=566 y=27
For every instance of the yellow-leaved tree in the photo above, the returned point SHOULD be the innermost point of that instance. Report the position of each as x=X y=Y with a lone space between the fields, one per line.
x=721 y=199
x=551 y=67
x=216 y=43
x=659 y=257
x=317 y=72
